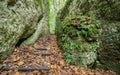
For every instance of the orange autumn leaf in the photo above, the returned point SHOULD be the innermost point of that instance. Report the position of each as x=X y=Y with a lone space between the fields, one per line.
x=17 y=73
x=10 y=72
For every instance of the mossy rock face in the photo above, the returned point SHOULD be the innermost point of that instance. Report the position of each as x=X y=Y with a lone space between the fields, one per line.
x=78 y=38
x=107 y=9
x=21 y=19
x=110 y=46
x=108 y=14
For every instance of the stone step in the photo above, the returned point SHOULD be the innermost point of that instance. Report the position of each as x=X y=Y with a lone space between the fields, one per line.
x=46 y=54
x=27 y=69
x=41 y=48
x=47 y=42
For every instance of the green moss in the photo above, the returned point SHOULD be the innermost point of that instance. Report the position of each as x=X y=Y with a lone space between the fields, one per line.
x=78 y=35
x=104 y=11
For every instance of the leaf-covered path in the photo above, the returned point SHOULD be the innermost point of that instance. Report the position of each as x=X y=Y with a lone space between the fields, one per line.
x=43 y=58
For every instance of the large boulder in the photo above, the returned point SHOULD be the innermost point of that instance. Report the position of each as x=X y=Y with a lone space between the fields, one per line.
x=77 y=34
x=109 y=53
x=106 y=13
x=23 y=20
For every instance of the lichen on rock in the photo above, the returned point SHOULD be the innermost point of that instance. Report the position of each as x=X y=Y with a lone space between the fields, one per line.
x=20 y=19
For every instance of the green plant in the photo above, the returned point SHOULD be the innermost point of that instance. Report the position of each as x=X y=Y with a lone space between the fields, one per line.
x=76 y=36
x=68 y=57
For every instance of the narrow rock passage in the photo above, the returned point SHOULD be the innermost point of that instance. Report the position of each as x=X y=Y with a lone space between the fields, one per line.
x=43 y=58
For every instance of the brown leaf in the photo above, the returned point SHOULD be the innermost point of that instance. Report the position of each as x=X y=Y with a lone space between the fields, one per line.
x=53 y=66
x=35 y=72
x=10 y=72
x=62 y=62
x=16 y=58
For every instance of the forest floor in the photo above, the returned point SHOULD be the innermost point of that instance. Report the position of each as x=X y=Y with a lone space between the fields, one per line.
x=43 y=58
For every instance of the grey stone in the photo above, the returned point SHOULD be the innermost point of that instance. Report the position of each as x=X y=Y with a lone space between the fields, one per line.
x=21 y=19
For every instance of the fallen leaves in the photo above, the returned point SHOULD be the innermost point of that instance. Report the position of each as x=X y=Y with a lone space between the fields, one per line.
x=29 y=57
